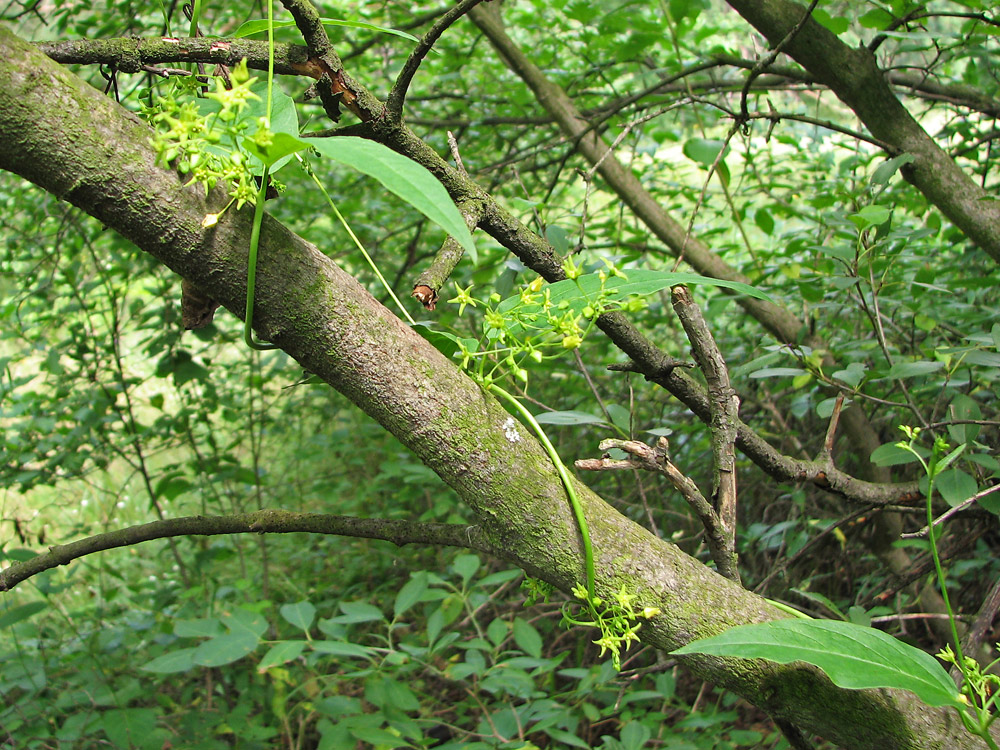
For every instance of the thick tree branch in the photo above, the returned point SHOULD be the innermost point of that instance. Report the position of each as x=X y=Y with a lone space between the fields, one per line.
x=130 y=55
x=399 y=532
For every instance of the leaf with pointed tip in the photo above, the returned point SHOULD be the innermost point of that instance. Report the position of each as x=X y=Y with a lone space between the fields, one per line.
x=853 y=657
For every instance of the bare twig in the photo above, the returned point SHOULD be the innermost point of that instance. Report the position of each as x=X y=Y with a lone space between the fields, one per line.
x=952 y=511
x=657 y=459
x=831 y=430
x=765 y=62
x=394 y=102
x=723 y=407
x=429 y=282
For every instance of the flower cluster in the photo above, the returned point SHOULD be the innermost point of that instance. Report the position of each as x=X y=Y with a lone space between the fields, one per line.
x=201 y=136
x=531 y=326
x=617 y=620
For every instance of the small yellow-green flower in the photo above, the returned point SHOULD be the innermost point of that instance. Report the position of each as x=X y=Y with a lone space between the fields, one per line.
x=464 y=298
x=572 y=341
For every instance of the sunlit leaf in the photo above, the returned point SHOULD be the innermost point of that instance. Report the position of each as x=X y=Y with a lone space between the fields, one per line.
x=403 y=177
x=852 y=656
x=259 y=26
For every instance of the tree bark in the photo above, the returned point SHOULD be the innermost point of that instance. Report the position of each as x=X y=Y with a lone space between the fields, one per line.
x=66 y=137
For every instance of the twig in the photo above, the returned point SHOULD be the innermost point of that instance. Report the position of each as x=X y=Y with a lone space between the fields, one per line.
x=724 y=413
x=951 y=511
x=453 y=146
x=657 y=459
x=429 y=283
x=394 y=102
x=831 y=430
x=765 y=62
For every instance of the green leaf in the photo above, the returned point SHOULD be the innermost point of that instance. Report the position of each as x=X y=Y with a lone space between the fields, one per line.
x=260 y=26
x=172 y=486
x=359 y=612
x=984 y=359
x=410 y=593
x=527 y=638
x=205 y=627
x=891 y=454
x=851 y=375
x=379 y=738
x=341 y=648
x=128 y=727
x=225 y=649
x=903 y=370
x=779 y=372
x=764 y=221
x=180 y=660
x=497 y=631
x=568 y=418
x=702 y=150
x=281 y=653
x=634 y=735
x=876 y=19
x=243 y=621
x=870 y=216
x=566 y=738
x=281 y=145
x=466 y=566
x=301 y=614
x=955 y=486
x=853 y=657
x=404 y=177
x=888 y=168
x=823 y=601
x=22 y=612
x=558 y=238
x=837 y=24
x=384 y=691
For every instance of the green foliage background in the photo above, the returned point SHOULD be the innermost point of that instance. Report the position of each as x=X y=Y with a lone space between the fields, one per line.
x=112 y=416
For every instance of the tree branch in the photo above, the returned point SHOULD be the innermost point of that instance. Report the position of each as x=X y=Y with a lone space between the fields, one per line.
x=394 y=102
x=270 y=521
x=723 y=407
x=852 y=73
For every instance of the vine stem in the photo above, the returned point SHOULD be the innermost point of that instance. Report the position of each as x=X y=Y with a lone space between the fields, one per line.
x=574 y=501
x=258 y=209
x=258 y=218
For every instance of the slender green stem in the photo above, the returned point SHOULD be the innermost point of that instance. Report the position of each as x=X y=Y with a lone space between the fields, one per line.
x=567 y=481
x=357 y=242
x=258 y=218
x=195 y=15
x=258 y=209
x=940 y=571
